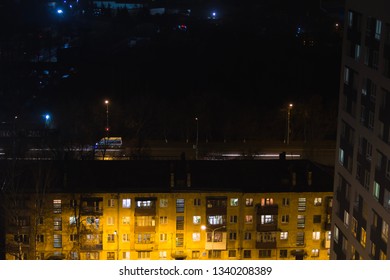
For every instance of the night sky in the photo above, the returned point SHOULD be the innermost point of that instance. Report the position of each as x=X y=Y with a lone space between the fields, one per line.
x=236 y=72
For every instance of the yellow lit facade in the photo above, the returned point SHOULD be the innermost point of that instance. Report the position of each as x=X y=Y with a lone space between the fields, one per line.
x=169 y=226
x=181 y=223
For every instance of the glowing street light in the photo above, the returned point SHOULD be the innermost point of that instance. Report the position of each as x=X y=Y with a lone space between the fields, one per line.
x=107 y=126
x=288 y=132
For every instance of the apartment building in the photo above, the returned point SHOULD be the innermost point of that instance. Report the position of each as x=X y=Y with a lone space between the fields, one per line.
x=361 y=214
x=114 y=210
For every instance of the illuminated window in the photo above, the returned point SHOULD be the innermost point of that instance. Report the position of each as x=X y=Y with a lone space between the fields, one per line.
x=354 y=226
x=317 y=201
x=145 y=221
x=300 y=238
x=126 y=220
x=248 y=219
x=234 y=202
x=72 y=220
x=144 y=238
x=180 y=205
x=301 y=204
x=300 y=221
x=57 y=206
x=57 y=223
x=267 y=219
x=215 y=220
x=336 y=234
x=346 y=218
x=284 y=235
x=196 y=220
x=57 y=238
x=162 y=254
x=382 y=255
x=267 y=201
x=385 y=231
x=92 y=255
x=363 y=237
x=248 y=202
x=316 y=235
x=126 y=255
x=196 y=236
x=179 y=239
x=144 y=204
x=315 y=252
x=180 y=223
x=145 y=255
x=126 y=203
x=163 y=202
x=376 y=190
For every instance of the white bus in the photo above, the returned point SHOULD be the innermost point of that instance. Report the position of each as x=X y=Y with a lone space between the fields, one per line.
x=109 y=142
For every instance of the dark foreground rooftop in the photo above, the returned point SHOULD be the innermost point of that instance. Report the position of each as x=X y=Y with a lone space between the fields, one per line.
x=169 y=176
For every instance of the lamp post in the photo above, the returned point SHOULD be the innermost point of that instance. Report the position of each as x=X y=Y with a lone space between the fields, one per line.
x=288 y=132
x=197 y=138
x=203 y=227
x=107 y=126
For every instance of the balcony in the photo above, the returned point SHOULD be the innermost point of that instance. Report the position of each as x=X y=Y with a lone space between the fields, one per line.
x=266 y=227
x=179 y=255
x=91 y=210
x=267 y=209
x=91 y=247
x=145 y=246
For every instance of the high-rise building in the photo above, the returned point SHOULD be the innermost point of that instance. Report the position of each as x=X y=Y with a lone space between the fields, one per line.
x=361 y=212
x=109 y=210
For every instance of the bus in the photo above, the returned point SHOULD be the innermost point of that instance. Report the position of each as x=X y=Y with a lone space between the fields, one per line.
x=109 y=142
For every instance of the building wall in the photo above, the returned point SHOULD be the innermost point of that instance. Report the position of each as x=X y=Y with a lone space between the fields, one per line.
x=114 y=229
x=362 y=168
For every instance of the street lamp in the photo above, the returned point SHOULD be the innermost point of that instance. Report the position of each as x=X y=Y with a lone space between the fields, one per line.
x=197 y=138
x=288 y=132
x=107 y=126
x=203 y=227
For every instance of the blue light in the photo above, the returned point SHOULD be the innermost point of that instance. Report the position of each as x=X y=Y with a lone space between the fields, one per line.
x=47 y=117
x=60 y=11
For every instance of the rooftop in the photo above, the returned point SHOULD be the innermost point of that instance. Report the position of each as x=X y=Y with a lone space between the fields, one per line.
x=187 y=176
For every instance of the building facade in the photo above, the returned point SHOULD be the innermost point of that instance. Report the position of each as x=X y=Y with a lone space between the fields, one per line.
x=361 y=214
x=251 y=213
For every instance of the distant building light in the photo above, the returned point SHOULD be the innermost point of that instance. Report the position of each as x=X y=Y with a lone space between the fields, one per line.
x=60 y=11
